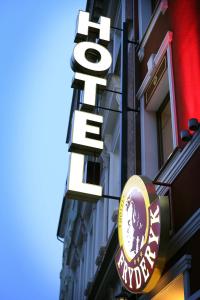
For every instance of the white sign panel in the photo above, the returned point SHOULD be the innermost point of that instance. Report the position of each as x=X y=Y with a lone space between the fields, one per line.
x=90 y=61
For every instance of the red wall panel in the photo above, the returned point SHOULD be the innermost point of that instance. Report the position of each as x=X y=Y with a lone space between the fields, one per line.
x=184 y=20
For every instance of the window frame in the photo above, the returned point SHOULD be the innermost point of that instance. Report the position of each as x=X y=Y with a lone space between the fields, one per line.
x=149 y=160
x=182 y=266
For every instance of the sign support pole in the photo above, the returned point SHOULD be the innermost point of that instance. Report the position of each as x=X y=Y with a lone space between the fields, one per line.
x=123 y=136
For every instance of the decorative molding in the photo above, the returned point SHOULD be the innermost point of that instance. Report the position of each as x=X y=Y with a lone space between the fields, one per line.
x=184 y=234
x=111 y=101
x=141 y=54
x=151 y=63
x=73 y=258
x=83 y=229
x=105 y=159
x=114 y=82
x=195 y=296
x=157 y=58
x=77 y=232
x=62 y=295
x=160 y=10
x=86 y=209
x=107 y=267
x=76 y=258
x=163 y=47
x=163 y=6
x=115 y=216
x=179 y=239
x=100 y=255
x=102 y=250
x=88 y=288
x=115 y=136
x=67 y=280
x=172 y=96
x=178 y=162
x=98 y=261
x=154 y=83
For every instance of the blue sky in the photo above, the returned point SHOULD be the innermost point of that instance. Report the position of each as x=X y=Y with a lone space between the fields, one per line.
x=36 y=39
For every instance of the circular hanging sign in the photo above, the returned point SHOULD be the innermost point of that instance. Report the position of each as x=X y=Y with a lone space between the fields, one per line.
x=139 y=260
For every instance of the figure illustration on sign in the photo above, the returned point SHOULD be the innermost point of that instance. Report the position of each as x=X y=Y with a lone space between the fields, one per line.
x=136 y=222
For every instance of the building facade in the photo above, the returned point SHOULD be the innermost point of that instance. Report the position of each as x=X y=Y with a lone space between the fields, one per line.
x=151 y=112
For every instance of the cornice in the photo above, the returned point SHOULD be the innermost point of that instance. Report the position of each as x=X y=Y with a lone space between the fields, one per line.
x=178 y=162
x=184 y=234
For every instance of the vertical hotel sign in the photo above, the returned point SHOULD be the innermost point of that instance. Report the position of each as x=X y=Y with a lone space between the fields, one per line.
x=143 y=228
x=90 y=62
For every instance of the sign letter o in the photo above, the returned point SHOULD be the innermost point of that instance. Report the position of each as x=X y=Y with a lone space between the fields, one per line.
x=101 y=59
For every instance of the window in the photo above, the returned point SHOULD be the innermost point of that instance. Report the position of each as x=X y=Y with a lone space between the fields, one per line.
x=159 y=137
x=93 y=172
x=173 y=291
x=156 y=124
x=175 y=284
x=164 y=129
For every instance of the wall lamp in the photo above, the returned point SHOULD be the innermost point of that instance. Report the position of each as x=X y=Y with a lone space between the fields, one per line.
x=193 y=125
x=185 y=135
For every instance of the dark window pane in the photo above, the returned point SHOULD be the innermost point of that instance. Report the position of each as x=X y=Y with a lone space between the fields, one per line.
x=164 y=125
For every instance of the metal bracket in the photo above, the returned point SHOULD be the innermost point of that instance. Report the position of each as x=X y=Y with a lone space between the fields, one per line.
x=111 y=197
x=133 y=109
x=116 y=28
x=136 y=43
x=114 y=110
x=161 y=183
x=130 y=42
x=111 y=91
x=105 y=108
